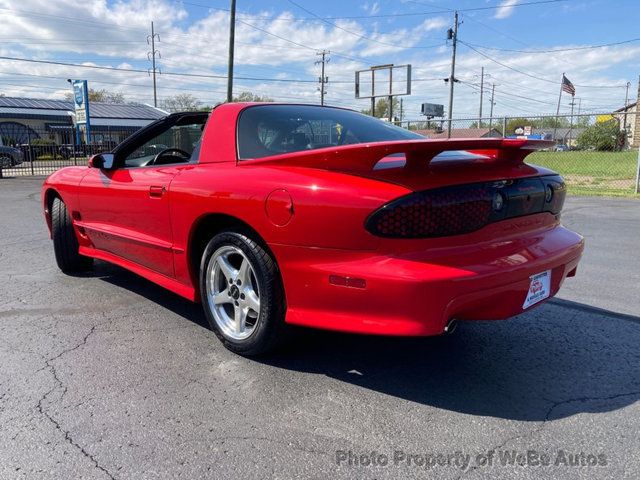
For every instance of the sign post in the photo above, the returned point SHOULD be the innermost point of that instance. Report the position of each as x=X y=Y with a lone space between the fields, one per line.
x=81 y=104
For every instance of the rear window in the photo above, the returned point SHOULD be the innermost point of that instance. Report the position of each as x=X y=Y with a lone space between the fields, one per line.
x=266 y=130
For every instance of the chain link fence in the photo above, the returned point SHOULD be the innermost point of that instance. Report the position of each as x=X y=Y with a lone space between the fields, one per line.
x=596 y=153
x=32 y=150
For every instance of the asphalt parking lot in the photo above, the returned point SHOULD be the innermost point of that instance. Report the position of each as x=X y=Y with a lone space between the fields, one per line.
x=108 y=376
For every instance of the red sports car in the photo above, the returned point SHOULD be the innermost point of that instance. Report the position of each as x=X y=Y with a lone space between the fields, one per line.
x=273 y=214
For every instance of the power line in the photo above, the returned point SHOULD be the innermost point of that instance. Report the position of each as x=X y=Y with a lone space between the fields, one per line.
x=537 y=77
x=177 y=74
x=363 y=37
x=569 y=49
x=342 y=17
x=68 y=19
x=511 y=94
x=222 y=77
x=494 y=7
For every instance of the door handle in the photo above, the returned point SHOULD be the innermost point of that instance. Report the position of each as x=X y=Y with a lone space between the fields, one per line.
x=156 y=191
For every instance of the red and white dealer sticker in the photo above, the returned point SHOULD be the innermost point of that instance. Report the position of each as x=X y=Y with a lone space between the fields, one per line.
x=539 y=288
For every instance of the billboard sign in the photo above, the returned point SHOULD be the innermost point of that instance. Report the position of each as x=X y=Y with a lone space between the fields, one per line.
x=383 y=81
x=432 y=110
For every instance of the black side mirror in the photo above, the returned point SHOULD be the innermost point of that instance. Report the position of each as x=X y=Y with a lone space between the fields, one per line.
x=103 y=161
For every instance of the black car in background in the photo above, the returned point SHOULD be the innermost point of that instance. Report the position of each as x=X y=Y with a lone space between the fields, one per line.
x=9 y=156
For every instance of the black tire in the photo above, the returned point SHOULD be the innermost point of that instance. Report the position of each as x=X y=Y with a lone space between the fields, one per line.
x=65 y=242
x=269 y=329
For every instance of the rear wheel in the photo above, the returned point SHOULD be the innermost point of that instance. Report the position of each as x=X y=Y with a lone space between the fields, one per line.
x=242 y=294
x=65 y=242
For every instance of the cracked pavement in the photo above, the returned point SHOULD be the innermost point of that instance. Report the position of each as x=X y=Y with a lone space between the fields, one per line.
x=107 y=376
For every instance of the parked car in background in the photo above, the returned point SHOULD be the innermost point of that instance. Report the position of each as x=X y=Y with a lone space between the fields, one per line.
x=82 y=150
x=9 y=156
x=562 y=148
x=274 y=214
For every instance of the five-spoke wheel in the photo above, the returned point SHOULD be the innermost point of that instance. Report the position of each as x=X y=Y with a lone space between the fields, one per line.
x=242 y=293
x=233 y=291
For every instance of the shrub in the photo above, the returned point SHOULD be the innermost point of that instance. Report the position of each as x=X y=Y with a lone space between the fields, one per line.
x=603 y=136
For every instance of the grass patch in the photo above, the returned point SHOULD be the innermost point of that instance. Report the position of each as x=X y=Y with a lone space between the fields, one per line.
x=593 y=173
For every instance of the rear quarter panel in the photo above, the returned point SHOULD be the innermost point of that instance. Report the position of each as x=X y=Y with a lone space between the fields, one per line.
x=329 y=208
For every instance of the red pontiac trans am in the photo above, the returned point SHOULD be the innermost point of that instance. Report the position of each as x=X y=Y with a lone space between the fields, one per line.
x=273 y=214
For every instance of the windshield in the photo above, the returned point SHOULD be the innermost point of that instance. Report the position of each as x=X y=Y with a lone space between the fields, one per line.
x=266 y=130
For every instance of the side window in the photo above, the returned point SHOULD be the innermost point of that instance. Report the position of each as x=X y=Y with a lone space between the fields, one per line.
x=178 y=144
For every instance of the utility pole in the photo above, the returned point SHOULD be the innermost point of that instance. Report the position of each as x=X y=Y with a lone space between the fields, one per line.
x=232 y=39
x=452 y=34
x=151 y=40
x=626 y=101
x=323 y=79
x=481 y=92
x=493 y=91
x=390 y=99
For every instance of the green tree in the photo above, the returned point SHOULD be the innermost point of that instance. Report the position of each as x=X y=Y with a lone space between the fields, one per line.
x=552 y=122
x=103 y=96
x=183 y=102
x=251 y=97
x=382 y=108
x=514 y=123
x=602 y=136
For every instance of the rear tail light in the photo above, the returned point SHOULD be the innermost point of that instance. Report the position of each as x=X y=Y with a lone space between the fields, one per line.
x=466 y=208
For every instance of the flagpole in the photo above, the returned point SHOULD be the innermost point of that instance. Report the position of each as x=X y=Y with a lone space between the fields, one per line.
x=555 y=126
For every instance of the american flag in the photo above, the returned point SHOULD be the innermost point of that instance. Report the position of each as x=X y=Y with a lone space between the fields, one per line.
x=567 y=86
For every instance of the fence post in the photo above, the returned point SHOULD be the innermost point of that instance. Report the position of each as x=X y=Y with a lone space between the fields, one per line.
x=30 y=151
x=638 y=173
x=74 y=145
x=504 y=127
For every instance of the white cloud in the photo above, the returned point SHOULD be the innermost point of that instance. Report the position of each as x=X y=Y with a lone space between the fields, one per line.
x=371 y=9
x=106 y=33
x=434 y=24
x=505 y=9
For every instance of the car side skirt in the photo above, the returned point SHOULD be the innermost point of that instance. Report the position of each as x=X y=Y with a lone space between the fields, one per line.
x=185 y=291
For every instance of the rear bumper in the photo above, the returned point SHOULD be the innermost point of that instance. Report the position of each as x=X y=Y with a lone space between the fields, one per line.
x=417 y=293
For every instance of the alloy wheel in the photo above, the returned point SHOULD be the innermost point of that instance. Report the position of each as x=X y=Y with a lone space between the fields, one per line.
x=233 y=292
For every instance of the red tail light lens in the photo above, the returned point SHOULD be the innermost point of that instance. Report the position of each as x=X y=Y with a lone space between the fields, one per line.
x=465 y=208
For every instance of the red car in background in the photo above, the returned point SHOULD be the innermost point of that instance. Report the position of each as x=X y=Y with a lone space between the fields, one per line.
x=274 y=214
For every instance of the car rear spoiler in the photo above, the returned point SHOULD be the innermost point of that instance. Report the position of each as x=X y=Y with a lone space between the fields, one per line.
x=363 y=157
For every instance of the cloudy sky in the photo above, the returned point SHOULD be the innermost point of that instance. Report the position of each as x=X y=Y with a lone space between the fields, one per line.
x=523 y=48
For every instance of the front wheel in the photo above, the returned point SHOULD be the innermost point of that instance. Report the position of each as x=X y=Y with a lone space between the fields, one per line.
x=242 y=294
x=65 y=242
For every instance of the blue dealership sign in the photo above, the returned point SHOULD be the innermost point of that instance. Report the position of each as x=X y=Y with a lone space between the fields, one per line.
x=81 y=105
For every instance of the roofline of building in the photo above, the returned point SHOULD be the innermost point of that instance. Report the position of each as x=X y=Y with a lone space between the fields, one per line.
x=631 y=105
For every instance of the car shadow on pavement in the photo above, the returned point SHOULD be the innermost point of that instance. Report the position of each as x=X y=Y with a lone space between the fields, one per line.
x=556 y=361
x=134 y=283
x=561 y=359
